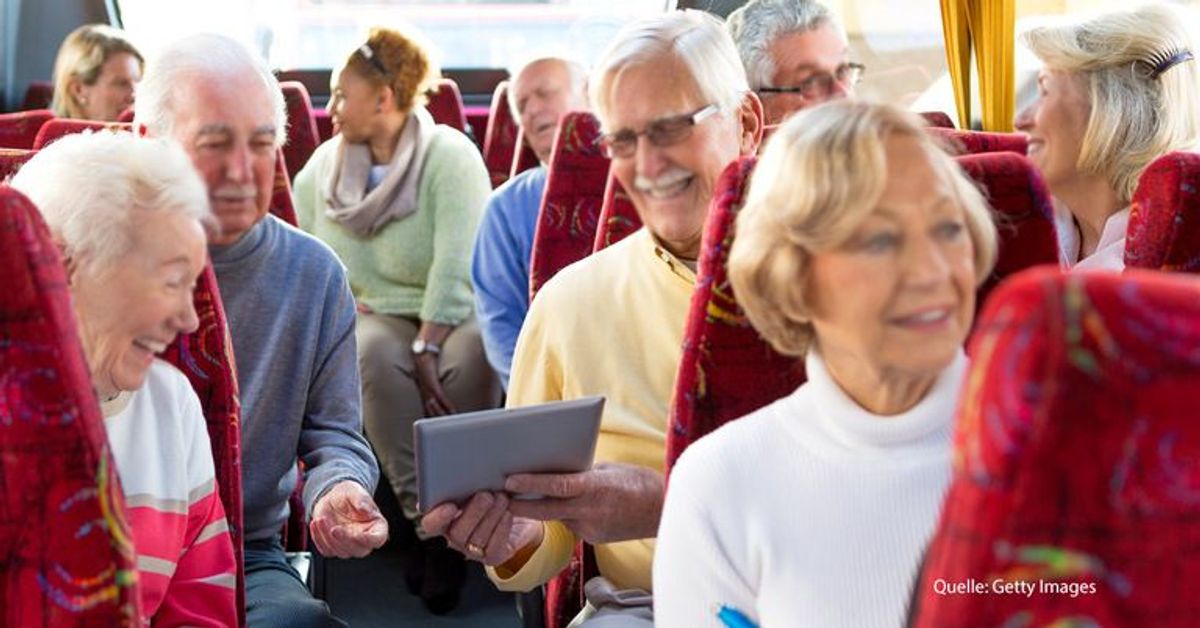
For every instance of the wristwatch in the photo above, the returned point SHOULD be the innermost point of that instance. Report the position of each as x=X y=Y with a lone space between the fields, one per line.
x=420 y=346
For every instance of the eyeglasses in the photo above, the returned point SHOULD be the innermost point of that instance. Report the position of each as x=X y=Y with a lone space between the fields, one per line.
x=661 y=132
x=821 y=84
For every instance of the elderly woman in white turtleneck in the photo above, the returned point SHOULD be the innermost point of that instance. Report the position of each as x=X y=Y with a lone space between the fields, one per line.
x=860 y=247
x=1115 y=93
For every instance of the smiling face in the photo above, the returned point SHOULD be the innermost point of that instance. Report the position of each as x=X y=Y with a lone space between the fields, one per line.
x=543 y=92
x=112 y=92
x=355 y=107
x=898 y=296
x=227 y=127
x=133 y=308
x=1056 y=124
x=671 y=186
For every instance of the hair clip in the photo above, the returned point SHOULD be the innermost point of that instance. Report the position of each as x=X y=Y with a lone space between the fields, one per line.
x=1162 y=61
x=369 y=54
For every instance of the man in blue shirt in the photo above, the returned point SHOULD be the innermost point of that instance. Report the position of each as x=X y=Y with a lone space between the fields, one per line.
x=540 y=92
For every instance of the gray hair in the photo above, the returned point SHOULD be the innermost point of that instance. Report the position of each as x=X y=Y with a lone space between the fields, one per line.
x=757 y=24
x=92 y=188
x=576 y=73
x=1137 y=113
x=213 y=57
x=696 y=39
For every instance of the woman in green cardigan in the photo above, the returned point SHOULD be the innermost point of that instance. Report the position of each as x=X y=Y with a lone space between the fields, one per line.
x=399 y=198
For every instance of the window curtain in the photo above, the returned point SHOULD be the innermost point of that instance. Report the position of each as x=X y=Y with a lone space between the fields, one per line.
x=987 y=27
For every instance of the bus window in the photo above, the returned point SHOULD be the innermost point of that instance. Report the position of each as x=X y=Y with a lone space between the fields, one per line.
x=466 y=34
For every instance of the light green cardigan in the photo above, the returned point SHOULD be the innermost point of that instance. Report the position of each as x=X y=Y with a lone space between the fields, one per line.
x=419 y=265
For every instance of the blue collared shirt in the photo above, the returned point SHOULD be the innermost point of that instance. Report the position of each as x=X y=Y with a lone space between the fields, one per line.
x=500 y=265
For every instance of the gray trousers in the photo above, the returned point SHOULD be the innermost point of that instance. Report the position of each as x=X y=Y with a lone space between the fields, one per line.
x=391 y=401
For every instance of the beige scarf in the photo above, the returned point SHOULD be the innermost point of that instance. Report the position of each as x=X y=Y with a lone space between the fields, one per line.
x=347 y=201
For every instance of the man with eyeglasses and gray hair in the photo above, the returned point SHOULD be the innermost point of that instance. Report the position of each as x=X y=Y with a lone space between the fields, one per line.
x=675 y=108
x=795 y=53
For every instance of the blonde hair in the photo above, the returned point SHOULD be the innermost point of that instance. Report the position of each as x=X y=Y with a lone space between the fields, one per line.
x=822 y=173
x=392 y=59
x=1139 y=111
x=81 y=57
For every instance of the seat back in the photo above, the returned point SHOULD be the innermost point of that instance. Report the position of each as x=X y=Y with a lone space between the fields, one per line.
x=446 y=105
x=282 y=204
x=66 y=556
x=324 y=124
x=20 y=129
x=618 y=216
x=524 y=157
x=205 y=356
x=728 y=370
x=38 y=95
x=973 y=142
x=301 y=127
x=60 y=127
x=1164 y=222
x=1023 y=209
x=939 y=119
x=500 y=139
x=1075 y=452
x=566 y=225
x=11 y=159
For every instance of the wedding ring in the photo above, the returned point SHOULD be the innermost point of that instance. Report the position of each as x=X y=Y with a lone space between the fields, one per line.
x=474 y=549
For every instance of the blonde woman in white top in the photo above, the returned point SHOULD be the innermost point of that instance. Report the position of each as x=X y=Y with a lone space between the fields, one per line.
x=1115 y=93
x=860 y=247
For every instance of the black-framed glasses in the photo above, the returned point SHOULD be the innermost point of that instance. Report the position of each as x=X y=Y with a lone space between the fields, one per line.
x=820 y=85
x=661 y=132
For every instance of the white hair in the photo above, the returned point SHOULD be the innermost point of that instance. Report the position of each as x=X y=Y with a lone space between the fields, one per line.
x=213 y=57
x=576 y=74
x=757 y=24
x=92 y=188
x=698 y=40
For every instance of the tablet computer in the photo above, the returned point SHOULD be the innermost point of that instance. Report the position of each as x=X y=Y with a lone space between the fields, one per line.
x=461 y=454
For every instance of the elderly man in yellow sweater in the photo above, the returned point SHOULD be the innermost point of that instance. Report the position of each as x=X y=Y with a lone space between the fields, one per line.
x=675 y=108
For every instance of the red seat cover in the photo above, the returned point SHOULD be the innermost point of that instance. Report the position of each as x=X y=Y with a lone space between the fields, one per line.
x=66 y=556
x=974 y=142
x=282 y=205
x=302 y=128
x=20 y=129
x=1021 y=202
x=571 y=204
x=11 y=159
x=205 y=356
x=60 y=127
x=727 y=369
x=1075 y=457
x=939 y=119
x=502 y=142
x=618 y=217
x=1164 y=222
x=446 y=105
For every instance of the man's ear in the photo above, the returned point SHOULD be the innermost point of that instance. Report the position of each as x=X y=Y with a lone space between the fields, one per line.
x=751 y=117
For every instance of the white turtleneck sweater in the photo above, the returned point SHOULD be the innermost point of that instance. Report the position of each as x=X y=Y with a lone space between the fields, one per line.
x=808 y=512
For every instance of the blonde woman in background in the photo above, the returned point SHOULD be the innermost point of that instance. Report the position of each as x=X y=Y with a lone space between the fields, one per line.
x=95 y=74
x=1115 y=92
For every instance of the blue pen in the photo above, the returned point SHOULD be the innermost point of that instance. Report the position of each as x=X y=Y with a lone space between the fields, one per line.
x=733 y=618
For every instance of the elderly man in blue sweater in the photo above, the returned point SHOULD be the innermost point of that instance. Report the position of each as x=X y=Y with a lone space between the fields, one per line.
x=540 y=93
x=291 y=318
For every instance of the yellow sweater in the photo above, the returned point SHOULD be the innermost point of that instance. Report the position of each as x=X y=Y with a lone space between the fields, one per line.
x=610 y=324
